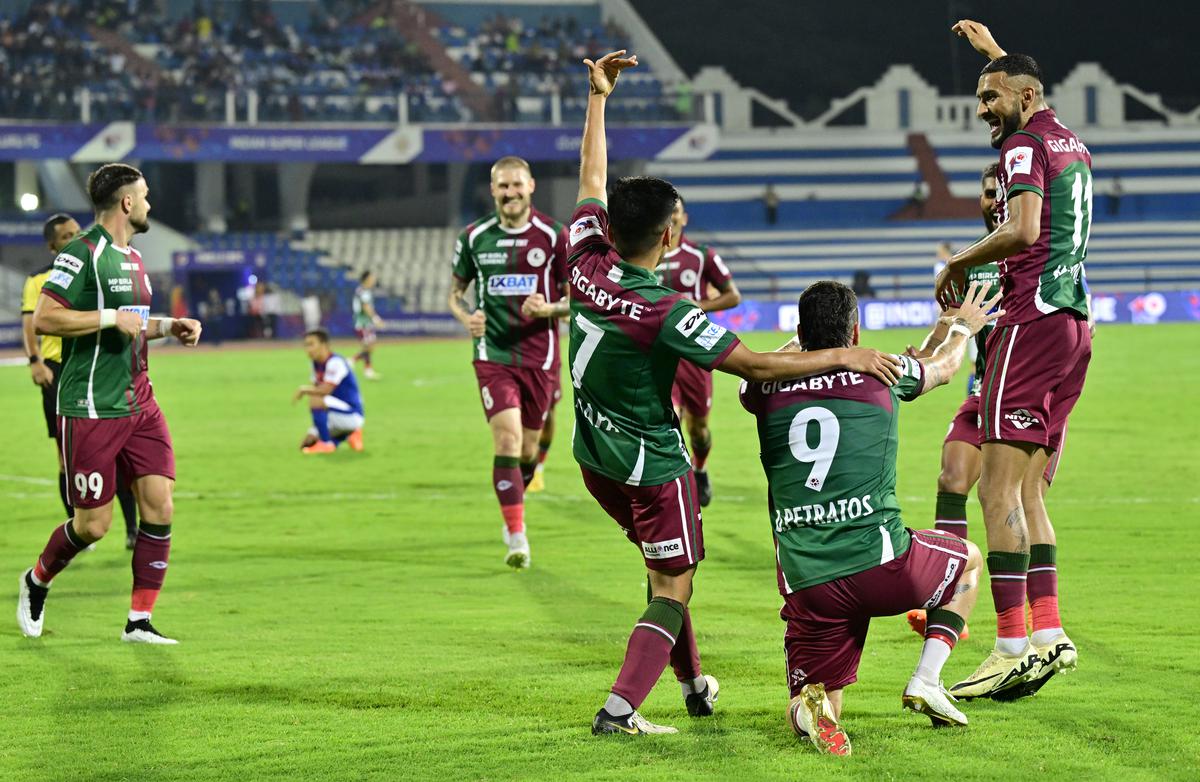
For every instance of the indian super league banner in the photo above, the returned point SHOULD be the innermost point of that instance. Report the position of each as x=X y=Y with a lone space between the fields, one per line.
x=751 y=315
x=875 y=314
x=101 y=143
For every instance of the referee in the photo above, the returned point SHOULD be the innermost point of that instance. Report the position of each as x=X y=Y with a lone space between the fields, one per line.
x=45 y=361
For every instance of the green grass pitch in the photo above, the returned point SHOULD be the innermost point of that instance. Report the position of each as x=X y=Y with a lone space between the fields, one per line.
x=350 y=617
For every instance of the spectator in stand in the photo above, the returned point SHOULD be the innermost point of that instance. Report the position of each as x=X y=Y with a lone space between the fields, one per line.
x=771 y=204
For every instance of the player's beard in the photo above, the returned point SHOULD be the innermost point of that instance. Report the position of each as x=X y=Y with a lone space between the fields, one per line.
x=1009 y=124
x=140 y=226
x=522 y=208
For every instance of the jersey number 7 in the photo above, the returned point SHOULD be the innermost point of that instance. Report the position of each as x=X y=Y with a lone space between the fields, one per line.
x=592 y=334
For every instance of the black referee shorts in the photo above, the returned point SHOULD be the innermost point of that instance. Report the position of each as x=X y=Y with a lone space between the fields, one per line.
x=50 y=400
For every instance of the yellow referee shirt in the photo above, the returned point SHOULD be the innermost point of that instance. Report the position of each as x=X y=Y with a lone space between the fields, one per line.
x=51 y=347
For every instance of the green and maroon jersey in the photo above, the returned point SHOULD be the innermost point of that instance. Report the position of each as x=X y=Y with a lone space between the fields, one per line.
x=628 y=333
x=691 y=268
x=828 y=446
x=1048 y=159
x=988 y=275
x=103 y=373
x=508 y=265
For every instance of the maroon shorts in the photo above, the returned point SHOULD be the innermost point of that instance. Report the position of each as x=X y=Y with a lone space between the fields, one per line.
x=1035 y=373
x=966 y=428
x=365 y=336
x=555 y=387
x=1052 y=465
x=662 y=521
x=827 y=623
x=693 y=389
x=502 y=387
x=99 y=452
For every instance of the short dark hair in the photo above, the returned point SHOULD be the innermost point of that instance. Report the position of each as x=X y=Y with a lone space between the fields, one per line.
x=639 y=210
x=53 y=222
x=828 y=314
x=321 y=334
x=1014 y=65
x=363 y=277
x=105 y=182
x=989 y=171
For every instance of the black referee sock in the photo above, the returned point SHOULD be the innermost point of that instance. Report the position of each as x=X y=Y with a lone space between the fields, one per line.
x=63 y=494
x=527 y=471
x=128 y=509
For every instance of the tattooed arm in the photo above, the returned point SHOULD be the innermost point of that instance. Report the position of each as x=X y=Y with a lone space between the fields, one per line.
x=972 y=315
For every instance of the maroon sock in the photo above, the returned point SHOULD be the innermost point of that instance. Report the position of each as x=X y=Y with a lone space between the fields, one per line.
x=685 y=657
x=150 y=555
x=649 y=650
x=62 y=547
x=1007 y=571
x=507 y=481
x=700 y=450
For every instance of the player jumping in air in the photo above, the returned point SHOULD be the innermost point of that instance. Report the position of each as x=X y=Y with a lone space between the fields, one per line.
x=960 y=451
x=45 y=365
x=333 y=398
x=366 y=320
x=628 y=333
x=695 y=270
x=97 y=298
x=516 y=257
x=828 y=446
x=1037 y=358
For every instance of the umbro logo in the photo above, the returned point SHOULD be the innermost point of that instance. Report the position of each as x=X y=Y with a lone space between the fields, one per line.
x=504 y=485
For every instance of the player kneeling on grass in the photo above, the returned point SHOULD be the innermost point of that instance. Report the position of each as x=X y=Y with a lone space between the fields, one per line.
x=828 y=446
x=333 y=398
x=629 y=333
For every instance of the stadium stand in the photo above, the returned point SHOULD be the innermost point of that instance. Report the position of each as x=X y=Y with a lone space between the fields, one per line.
x=335 y=61
x=410 y=264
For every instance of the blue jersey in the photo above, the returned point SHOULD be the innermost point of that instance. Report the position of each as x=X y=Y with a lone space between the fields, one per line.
x=336 y=370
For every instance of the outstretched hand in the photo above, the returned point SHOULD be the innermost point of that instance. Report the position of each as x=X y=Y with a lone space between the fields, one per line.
x=980 y=38
x=603 y=73
x=975 y=312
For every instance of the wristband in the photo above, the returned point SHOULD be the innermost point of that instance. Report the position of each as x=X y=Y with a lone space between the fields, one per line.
x=959 y=328
x=108 y=319
x=35 y=359
x=164 y=326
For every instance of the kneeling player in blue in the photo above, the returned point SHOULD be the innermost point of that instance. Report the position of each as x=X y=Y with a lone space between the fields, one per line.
x=333 y=398
x=828 y=447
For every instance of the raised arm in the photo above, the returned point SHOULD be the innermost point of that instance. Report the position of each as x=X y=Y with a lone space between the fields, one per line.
x=593 y=164
x=980 y=38
x=935 y=337
x=964 y=324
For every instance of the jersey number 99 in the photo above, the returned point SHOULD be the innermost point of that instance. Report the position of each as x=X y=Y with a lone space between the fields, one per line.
x=92 y=481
